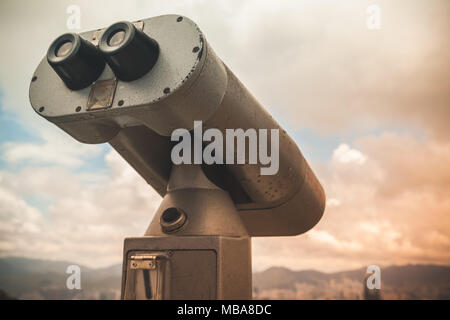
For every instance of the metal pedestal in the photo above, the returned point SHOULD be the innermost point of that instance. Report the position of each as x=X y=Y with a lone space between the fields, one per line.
x=195 y=248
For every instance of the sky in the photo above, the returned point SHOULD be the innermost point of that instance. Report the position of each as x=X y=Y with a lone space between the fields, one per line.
x=369 y=108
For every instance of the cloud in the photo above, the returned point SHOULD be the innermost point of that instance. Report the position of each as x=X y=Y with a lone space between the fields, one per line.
x=394 y=209
x=318 y=65
x=87 y=220
x=313 y=64
x=48 y=152
x=345 y=154
x=375 y=213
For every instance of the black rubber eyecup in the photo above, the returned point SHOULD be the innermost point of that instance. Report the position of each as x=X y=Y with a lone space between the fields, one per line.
x=129 y=52
x=76 y=61
x=128 y=28
x=52 y=56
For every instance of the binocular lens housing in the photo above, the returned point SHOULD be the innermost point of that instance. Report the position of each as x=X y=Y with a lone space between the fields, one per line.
x=128 y=51
x=76 y=61
x=187 y=83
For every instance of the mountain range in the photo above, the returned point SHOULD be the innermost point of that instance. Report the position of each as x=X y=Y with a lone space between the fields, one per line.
x=24 y=278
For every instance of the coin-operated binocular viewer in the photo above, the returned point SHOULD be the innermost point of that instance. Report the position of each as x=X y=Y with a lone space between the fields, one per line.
x=133 y=85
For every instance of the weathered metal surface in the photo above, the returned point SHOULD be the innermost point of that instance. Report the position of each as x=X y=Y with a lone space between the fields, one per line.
x=199 y=268
x=143 y=262
x=147 y=277
x=208 y=257
x=209 y=210
x=102 y=94
x=189 y=82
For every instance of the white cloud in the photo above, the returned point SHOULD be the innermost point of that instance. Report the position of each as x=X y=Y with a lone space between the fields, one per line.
x=332 y=202
x=325 y=238
x=90 y=214
x=324 y=64
x=70 y=155
x=88 y=218
x=370 y=227
x=392 y=210
x=345 y=154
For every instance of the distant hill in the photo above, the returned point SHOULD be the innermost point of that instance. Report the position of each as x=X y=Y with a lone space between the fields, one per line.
x=397 y=282
x=43 y=279
x=25 y=278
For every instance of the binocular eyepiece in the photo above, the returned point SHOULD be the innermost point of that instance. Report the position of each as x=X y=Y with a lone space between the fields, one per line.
x=129 y=52
x=76 y=61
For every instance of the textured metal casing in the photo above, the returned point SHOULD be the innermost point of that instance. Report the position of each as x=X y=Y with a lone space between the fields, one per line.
x=202 y=268
x=188 y=83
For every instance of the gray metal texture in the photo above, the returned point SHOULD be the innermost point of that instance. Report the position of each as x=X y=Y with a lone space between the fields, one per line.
x=208 y=257
x=188 y=82
x=203 y=268
x=209 y=209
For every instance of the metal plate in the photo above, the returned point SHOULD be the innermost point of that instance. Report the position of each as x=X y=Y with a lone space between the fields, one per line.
x=102 y=94
x=176 y=40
